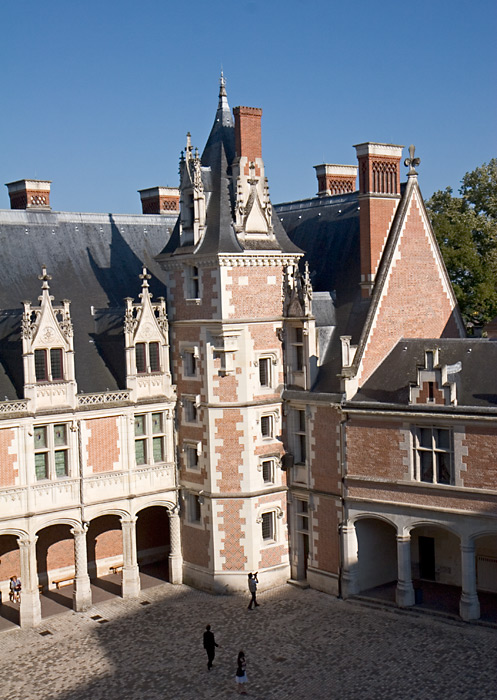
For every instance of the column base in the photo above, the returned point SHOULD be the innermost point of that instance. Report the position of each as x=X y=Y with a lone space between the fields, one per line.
x=469 y=607
x=30 y=609
x=82 y=594
x=130 y=582
x=404 y=595
x=175 y=569
x=350 y=585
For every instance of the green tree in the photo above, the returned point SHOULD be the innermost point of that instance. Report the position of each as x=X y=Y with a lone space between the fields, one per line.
x=466 y=230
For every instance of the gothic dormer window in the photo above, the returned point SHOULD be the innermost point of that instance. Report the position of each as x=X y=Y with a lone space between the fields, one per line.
x=147 y=345
x=48 y=352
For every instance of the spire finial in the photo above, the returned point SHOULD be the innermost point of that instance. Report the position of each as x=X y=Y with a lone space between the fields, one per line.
x=411 y=162
x=145 y=277
x=222 y=85
x=44 y=277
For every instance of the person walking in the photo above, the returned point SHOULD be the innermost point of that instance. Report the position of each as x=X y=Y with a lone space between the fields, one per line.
x=209 y=646
x=241 y=673
x=252 y=585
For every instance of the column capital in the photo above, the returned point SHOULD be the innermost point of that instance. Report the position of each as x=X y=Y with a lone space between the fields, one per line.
x=25 y=542
x=129 y=520
x=79 y=529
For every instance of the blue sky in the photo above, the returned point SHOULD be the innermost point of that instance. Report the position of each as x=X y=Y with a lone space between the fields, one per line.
x=98 y=95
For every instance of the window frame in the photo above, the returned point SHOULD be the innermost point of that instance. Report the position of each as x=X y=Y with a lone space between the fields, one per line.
x=190 y=416
x=436 y=450
x=50 y=449
x=193 y=509
x=189 y=448
x=267 y=362
x=48 y=363
x=297 y=345
x=268 y=518
x=150 y=437
x=270 y=423
x=270 y=470
x=147 y=356
x=300 y=436
x=193 y=284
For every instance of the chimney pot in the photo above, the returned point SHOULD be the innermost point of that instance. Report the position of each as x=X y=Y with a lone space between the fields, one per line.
x=29 y=194
x=335 y=179
x=248 y=132
x=160 y=200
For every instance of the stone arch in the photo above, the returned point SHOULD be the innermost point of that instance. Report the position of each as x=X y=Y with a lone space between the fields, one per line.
x=485 y=543
x=51 y=521
x=153 y=540
x=104 y=541
x=376 y=551
x=55 y=551
x=436 y=552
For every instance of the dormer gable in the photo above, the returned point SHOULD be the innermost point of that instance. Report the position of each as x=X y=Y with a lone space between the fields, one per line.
x=48 y=351
x=436 y=383
x=192 y=196
x=147 y=345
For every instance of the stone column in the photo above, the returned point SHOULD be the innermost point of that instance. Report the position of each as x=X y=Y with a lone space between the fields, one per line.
x=82 y=590
x=350 y=583
x=30 y=612
x=175 y=556
x=131 y=573
x=469 y=605
x=404 y=595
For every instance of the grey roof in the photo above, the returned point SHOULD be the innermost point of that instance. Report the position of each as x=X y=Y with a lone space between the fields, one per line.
x=95 y=261
x=220 y=192
x=327 y=230
x=476 y=382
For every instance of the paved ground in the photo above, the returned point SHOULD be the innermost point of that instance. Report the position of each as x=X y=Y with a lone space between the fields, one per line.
x=298 y=644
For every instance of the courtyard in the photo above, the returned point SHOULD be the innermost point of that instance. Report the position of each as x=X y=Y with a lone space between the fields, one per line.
x=298 y=644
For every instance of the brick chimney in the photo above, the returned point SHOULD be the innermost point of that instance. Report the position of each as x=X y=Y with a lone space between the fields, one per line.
x=335 y=179
x=248 y=132
x=29 y=194
x=379 y=196
x=159 y=200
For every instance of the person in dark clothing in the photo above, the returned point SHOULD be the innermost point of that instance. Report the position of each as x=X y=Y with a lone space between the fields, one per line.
x=209 y=646
x=252 y=584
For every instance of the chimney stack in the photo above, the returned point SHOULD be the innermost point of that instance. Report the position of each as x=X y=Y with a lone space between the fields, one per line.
x=379 y=196
x=248 y=133
x=335 y=179
x=29 y=194
x=160 y=200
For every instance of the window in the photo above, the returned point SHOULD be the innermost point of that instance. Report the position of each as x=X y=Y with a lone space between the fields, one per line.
x=149 y=438
x=433 y=455
x=300 y=437
x=147 y=357
x=268 y=526
x=48 y=365
x=189 y=363
x=194 y=509
x=190 y=413
x=297 y=349
x=268 y=471
x=191 y=451
x=302 y=509
x=265 y=371
x=192 y=282
x=51 y=451
x=267 y=426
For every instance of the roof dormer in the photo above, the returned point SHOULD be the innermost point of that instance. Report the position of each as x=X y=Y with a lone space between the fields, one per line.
x=147 y=345
x=48 y=351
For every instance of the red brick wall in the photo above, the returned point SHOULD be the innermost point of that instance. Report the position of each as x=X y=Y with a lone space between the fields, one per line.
x=10 y=562
x=481 y=461
x=325 y=535
x=232 y=528
x=375 y=218
x=54 y=548
x=189 y=310
x=195 y=544
x=373 y=450
x=103 y=449
x=248 y=132
x=415 y=304
x=8 y=470
x=325 y=466
x=258 y=299
x=424 y=394
x=230 y=462
x=104 y=538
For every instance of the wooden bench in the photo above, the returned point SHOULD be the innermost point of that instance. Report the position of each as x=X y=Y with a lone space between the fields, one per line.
x=63 y=581
x=116 y=569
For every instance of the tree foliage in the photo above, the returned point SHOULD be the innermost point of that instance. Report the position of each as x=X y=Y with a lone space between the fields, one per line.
x=466 y=230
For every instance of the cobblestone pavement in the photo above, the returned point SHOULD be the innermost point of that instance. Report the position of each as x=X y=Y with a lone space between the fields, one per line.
x=298 y=644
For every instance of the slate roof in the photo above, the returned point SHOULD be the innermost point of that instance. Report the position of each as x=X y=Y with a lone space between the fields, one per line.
x=220 y=191
x=95 y=261
x=476 y=382
x=327 y=230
